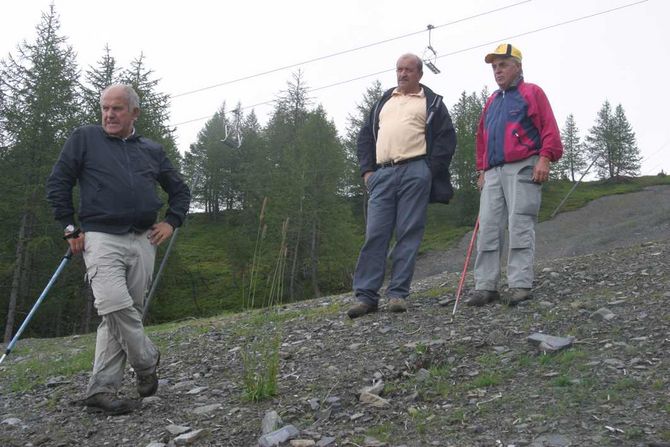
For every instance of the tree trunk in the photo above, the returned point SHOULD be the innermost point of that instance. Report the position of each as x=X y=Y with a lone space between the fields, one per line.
x=88 y=312
x=16 y=279
x=315 y=261
x=294 y=264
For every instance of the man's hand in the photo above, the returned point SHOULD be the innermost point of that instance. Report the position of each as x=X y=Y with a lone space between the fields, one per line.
x=480 y=180
x=160 y=232
x=366 y=176
x=541 y=170
x=76 y=243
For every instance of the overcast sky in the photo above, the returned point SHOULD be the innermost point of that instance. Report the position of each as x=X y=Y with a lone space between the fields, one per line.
x=621 y=56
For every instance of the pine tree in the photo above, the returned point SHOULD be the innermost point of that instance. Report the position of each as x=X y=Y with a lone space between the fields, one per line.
x=573 y=161
x=611 y=143
x=154 y=107
x=628 y=160
x=40 y=107
x=353 y=185
x=465 y=116
x=96 y=80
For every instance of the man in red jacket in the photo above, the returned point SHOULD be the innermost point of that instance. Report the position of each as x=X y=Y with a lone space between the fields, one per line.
x=517 y=139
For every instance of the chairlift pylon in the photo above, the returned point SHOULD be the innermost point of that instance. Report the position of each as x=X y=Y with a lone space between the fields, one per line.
x=429 y=54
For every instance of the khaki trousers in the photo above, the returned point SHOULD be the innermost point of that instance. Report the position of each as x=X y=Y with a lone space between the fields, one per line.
x=509 y=199
x=119 y=268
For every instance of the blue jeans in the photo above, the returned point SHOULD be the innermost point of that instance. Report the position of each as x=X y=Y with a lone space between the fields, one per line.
x=398 y=201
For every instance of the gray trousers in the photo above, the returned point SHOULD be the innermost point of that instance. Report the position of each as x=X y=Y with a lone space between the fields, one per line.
x=509 y=199
x=119 y=267
x=398 y=201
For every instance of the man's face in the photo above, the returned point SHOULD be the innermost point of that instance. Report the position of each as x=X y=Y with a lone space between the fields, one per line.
x=505 y=71
x=117 y=119
x=407 y=71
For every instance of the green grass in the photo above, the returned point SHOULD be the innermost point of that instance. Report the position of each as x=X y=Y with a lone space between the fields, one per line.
x=45 y=359
x=485 y=380
x=381 y=432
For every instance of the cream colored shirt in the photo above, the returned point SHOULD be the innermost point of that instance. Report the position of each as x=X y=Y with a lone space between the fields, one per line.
x=402 y=127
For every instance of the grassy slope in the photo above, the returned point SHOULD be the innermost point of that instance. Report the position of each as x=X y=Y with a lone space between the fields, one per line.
x=202 y=280
x=200 y=255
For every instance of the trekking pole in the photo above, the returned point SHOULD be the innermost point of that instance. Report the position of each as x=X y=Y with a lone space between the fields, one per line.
x=10 y=346
x=465 y=266
x=154 y=284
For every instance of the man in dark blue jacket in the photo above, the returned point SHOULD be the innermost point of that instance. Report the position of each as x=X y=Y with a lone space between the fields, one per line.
x=404 y=152
x=117 y=171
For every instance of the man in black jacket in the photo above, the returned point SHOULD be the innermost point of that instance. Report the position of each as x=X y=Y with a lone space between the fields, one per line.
x=117 y=171
x=404 y=152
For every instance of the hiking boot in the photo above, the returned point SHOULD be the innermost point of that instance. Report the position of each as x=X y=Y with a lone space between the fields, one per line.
x=147 y=384
x=482 y=297
x=110 y=404
x=397 y=305
x=360 y=309
x=517 y=295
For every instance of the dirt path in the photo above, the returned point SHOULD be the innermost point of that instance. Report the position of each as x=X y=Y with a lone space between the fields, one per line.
x=610 y=222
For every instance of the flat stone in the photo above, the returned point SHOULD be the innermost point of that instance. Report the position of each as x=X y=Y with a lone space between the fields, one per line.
x=177 y=429
x=156 y=444
x=377 y=388
x=278 y=436
x=197 y=390
x=206 y=409
x=56 y=381
x=271 y=422
x=551 y=440
x=12 y=421
x=422 y=375
x=184 y=384
x=302 y=443
x=326 y=441
x=602 y=314
x=190 y=437
x=550 y=343
x=374 y=400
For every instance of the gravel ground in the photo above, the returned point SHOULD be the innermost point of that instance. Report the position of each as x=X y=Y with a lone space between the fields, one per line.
x=469 y=380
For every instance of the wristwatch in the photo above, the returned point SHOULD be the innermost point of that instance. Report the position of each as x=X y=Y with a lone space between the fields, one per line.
x=69 y=229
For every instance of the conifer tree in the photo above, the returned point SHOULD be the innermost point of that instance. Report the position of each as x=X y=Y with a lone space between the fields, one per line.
x=40 y=107
x=573 y=161
x=154 y=107
x=96 y=80
x=465 y=116
x=611 y=143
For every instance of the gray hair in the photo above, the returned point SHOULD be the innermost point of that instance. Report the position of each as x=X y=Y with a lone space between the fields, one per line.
x=131 y=96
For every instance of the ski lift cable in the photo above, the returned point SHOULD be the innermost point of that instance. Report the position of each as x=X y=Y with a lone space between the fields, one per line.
x=452 y=53
x=339 y=53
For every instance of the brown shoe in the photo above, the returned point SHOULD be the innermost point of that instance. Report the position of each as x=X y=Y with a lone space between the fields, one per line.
x=517 y=296
x=110 y=404
x=482 y=297
x=360 y=309
x=147 y=384
x=397 y=305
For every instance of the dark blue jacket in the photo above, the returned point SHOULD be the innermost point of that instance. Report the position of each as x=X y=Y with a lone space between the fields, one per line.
x=117 y=182
x=440 y=143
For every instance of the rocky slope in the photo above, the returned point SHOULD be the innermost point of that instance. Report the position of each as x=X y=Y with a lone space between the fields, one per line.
x=435 y=379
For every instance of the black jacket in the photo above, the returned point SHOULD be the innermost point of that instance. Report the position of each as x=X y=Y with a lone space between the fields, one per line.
x=440 y=143
x=117 y=182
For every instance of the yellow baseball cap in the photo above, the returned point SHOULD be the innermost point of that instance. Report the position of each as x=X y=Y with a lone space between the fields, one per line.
x=504 y=49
